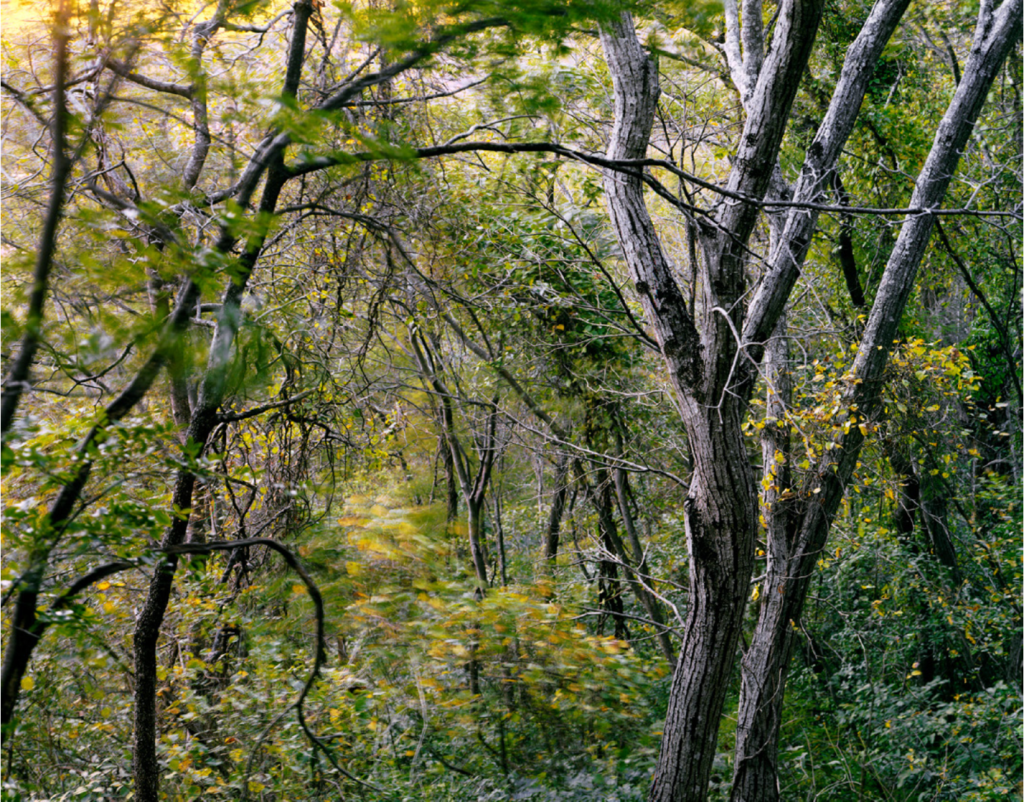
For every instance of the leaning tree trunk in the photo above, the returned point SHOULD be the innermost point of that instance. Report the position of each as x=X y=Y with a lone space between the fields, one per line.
x=757 y=729
x=27 y=627
x=763 y=684
x=212 y=390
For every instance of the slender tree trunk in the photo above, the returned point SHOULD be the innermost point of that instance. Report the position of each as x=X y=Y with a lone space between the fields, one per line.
x=637 y=575
x=28 y=629
x=212 y=390
x=817 y=502
x=451 y=482
x=477 y=545
x=613 y=543
x=765 y=663
x=554 y=526
x=17 y=379
x=499 y=533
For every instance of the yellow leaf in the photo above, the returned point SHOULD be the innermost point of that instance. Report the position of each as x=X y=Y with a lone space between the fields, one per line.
x=27 y=683
x=103 y=586
x=756 y=594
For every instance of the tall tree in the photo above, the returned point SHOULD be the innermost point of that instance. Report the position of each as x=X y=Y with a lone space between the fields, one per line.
x=713 y=359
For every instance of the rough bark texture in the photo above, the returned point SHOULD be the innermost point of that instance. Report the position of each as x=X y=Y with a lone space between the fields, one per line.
x=797 y=545
x=721 y=507
x=712 y=381
x=766 y=661
x=790 y=251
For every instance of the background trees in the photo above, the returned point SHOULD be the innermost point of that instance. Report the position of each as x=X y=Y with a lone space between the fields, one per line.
x=343 y=279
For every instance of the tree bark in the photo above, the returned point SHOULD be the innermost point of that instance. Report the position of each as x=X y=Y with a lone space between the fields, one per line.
x=765 y=663
x=816 y=504
x=17 y=379
x=551 y=535
x=721 y=506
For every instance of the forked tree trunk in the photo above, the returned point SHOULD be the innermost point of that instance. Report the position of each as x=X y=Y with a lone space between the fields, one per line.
x=798 y=541
x=213 y=386
x=712 y=380
x=721 y=506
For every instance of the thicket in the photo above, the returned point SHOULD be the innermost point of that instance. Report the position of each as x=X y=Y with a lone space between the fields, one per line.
x=246 y=254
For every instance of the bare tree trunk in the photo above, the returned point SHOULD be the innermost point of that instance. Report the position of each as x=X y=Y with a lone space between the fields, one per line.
x=477 y=547
x=767 y=660
x=451 y=482
x=17 y=379
x=499 y=532
x=721 y=506
x=554 y=527
x=801 y=541
x=146 y=769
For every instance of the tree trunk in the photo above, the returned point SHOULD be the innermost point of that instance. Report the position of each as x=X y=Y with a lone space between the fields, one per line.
x=786 y=586
x=477 y=545
x=757 y=727
x=16 y=382
x=554 y=527
x=721 y=507
x=212 y=390
x=28 y=629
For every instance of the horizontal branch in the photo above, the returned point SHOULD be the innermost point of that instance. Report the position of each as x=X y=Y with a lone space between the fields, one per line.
x=122 y=69
x=231 y=417
x=313 y=164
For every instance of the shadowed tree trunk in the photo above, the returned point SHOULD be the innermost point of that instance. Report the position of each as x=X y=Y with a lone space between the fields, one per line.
x=551 y=534
x=212 y=389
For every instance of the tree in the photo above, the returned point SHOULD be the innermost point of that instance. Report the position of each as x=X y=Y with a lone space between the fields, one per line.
x=390 y=257
x=713 y=360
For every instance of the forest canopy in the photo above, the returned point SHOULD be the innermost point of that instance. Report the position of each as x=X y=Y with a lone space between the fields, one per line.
x=538 y=400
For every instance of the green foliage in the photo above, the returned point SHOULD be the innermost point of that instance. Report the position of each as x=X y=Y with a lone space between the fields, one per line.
x=433 y=690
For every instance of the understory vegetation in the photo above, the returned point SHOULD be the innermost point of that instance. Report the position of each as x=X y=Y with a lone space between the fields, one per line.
x=340 y=455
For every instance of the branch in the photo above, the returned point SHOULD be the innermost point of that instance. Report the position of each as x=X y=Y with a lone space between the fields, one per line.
x=346 y=93
x=311 y=164
x=321 y=641
x=1004 y=336
x=122 y=69
x=231 y=417
x=789 y=254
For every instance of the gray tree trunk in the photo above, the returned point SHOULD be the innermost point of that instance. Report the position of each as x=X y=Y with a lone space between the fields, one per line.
x=721 y=506
x=712 y=374
x=798 y=528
